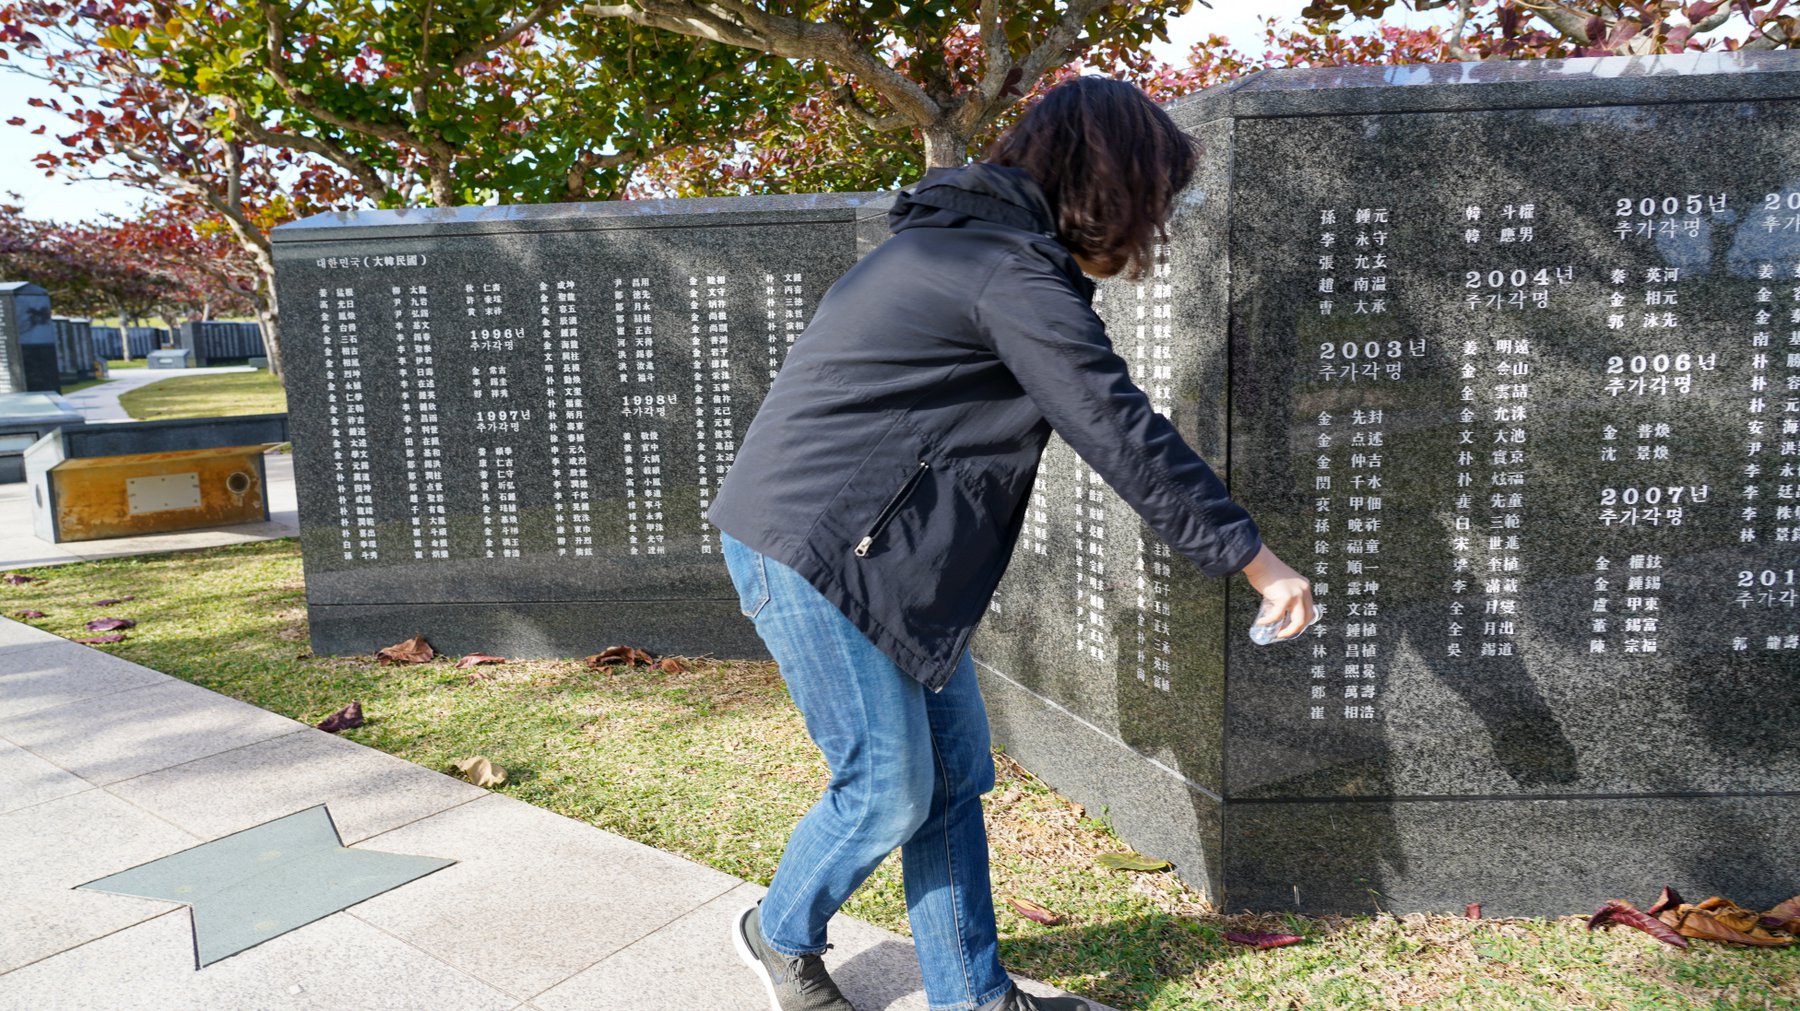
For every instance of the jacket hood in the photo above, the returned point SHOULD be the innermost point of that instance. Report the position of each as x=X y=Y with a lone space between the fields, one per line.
x=947 y=197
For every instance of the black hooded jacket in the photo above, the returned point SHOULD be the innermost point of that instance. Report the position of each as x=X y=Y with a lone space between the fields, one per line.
x=892 y=461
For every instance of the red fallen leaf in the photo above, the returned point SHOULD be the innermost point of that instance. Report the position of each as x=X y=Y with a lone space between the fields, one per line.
x=18 y=580
x=1783 y=917
x=625 y=656
x=345 y=718
x=672 y=665
x=1669 y=898
x=30 y=614
x=1620 y=911
x=472 y=659
x=1472 y=911
x=1263 y=941
x=109 y=624
x=111 y=601
x=414 y=650
x=1034 y=912
x=102 y=639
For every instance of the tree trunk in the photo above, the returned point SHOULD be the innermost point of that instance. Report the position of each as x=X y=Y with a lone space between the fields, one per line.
x=268 y=316
x=124 y=332
x=946 y=146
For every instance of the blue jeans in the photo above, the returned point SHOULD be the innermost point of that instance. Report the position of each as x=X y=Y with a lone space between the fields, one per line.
x=908 y=768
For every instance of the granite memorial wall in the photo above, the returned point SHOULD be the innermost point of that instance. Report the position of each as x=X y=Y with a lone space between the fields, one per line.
x=1505 y=358
x=509 y=422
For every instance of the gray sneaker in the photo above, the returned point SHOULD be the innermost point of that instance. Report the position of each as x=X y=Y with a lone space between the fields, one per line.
x=794 y=982
x=1019 y=1000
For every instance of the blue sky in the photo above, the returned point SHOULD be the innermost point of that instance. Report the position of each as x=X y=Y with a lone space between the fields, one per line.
x=60 y=199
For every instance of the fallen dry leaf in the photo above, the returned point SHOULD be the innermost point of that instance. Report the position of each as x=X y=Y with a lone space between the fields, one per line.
x=1620 y=911
x=98 y=640
x=1784 y=917
x=672 y=665
x=414 y=650
x=471 y=659
x=1719 y=923
x=30 y=614
x=478 y=770
x=345 y=718
x=1263 y=941
x=18 y=580
x=111 y=601
x=1729 y=913
x=1472 y=911
x=1131 y=862
x=109 y=624
x=625 y=656
x=1034 y=912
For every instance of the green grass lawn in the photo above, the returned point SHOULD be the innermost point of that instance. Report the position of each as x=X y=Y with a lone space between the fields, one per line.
x=714 y=764
x=120 y=363
x=207 y=396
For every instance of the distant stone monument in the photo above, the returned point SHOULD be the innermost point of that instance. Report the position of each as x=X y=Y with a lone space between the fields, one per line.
x=1504 y=357
x=220 y=340
x=27 y=340
x=74 y=348
x=508 y=422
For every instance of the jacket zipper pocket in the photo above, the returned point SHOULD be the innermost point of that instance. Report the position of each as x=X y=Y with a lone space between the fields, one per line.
x=888 y=511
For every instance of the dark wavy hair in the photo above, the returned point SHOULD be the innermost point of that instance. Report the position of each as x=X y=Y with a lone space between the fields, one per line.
x=1110 y=160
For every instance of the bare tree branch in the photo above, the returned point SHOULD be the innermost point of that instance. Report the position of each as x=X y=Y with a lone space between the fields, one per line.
x=738 y=24
x=846 y=99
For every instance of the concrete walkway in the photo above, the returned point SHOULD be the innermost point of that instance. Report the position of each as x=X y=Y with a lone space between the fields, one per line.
x=105 y=765
x=20 y=548
x=101 y=403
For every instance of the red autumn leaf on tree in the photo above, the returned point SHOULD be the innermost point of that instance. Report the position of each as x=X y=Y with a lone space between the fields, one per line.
x=109 y=624
x=345 y=718
x=1620 y=911
x=1262 y=941
x=620 y=656
x=100 y=640
x=471 y=659
x=414 y=650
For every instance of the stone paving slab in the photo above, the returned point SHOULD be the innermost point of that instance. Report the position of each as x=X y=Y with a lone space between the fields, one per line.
x=335 y=964
x=366 y=791
x=40 y=675
x=125 y=734
x=20 y=548
x=534 y=897
x=17 y=633
x=26 y=779
x=55 y=846
x=875 y=969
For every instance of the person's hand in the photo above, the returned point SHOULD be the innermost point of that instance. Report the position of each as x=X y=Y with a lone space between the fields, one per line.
x=1288 y=592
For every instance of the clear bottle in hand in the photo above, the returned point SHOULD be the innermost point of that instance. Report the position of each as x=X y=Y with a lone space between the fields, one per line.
x=1262 y=634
